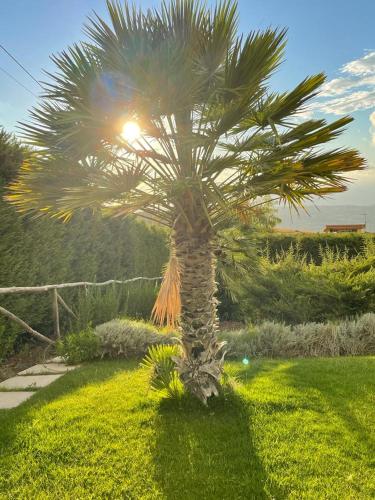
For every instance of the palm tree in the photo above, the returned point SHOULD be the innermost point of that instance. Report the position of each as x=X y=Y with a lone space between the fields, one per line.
x=213 y=140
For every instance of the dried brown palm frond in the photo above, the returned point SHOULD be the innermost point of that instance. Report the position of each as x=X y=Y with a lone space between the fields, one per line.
x=167 y=306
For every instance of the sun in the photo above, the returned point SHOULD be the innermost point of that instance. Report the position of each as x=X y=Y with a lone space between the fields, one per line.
x=131 y=131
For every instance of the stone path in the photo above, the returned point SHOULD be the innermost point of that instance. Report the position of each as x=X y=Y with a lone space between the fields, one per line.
x=47 y=369
x=31 y=379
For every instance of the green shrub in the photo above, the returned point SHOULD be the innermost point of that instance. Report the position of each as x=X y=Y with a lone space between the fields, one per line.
x=265 y=340
x=345 y=338
x=97 y=305
x=163 y=374
x=270 y=339
x=296 y=278
x=79 y=347
x=126 y=338
x=315 y=339
x=311 y=244
x=239 y=343
x=358 y=336
x=292 y=290
x=139 y=299
x=7 y=340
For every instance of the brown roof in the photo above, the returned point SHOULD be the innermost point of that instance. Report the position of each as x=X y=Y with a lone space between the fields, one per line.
x=339 y=227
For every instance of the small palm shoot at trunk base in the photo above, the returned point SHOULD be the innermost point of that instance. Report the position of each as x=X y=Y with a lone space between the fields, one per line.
x=206 y=139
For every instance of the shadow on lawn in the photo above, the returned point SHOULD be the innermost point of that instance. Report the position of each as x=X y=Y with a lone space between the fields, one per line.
x=208 y=453
x=69 y=383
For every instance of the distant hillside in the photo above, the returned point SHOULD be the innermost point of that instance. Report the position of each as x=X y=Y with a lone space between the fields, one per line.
x=318 y=217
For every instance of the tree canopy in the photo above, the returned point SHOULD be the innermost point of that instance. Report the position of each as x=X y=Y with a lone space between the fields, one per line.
x=214 y=136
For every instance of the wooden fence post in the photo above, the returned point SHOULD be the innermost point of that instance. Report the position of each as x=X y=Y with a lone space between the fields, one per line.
x=64 y=304
x=55 y=310
x=24 y=325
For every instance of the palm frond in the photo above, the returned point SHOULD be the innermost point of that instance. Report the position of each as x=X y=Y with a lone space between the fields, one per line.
x=214 y=135
x=73 y=185
x=167 y=306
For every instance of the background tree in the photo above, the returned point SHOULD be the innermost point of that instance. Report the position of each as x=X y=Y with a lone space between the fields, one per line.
x=213 y=139
x=11 y=157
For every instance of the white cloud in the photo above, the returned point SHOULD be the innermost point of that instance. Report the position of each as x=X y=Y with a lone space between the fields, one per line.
x=340 y=86
x=369 y=80
x=348 y=103
x=363 y=66
x=337 y=86
x=354 y=91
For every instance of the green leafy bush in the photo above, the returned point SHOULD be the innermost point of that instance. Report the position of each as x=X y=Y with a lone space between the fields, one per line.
x=299 y=277
x=139 y=299
x=345 y=338
x=292 y=290
x=311 y=244
x=126 y=338
x=97 y=305
x=163 y=374
x=79 y=347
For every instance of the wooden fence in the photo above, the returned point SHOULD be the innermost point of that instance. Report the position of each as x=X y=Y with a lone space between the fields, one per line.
x=56 y=300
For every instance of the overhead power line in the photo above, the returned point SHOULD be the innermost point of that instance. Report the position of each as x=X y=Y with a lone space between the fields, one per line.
x=20 y=65
x=19 y=83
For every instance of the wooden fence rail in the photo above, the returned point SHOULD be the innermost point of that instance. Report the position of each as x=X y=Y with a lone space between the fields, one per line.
x=56 y=300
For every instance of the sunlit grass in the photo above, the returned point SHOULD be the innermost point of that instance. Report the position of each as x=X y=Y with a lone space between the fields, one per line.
x=290 y=429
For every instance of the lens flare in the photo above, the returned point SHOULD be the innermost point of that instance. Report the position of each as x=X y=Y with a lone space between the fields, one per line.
x=131 y=131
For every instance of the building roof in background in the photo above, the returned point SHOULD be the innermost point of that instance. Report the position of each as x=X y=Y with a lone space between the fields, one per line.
x=344 y=227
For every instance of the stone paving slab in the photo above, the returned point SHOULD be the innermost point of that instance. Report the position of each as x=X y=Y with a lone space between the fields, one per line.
x=57 y=359
x=10 y=400
x=47 y=368
x=29 y=381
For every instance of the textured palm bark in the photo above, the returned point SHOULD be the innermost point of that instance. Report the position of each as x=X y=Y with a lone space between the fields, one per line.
x=200 y=367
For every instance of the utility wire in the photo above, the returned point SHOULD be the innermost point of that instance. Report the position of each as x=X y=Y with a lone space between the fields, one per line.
x=19 y=83
x=20 y=65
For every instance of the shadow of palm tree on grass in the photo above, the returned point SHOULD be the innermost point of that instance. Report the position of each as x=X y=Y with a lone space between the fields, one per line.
x=208 y=453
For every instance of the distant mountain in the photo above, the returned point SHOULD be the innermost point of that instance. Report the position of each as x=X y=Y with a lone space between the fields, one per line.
x=319 y=216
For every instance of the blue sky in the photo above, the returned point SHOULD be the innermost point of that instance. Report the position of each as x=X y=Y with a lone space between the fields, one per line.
x=334 y=36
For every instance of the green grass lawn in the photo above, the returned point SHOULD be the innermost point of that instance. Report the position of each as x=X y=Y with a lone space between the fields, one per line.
x=290 y=429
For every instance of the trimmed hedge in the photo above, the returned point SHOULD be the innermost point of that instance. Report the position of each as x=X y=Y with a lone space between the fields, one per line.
x=88 y=248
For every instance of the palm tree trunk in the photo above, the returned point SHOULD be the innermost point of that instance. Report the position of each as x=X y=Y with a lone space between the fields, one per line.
x=200 y=367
